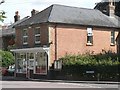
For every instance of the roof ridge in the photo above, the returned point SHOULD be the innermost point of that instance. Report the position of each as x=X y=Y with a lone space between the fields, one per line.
x=72 y=6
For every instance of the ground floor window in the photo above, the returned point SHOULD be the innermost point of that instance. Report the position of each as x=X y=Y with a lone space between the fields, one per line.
x=21 y=62
x=41 y=63
x=36 y=61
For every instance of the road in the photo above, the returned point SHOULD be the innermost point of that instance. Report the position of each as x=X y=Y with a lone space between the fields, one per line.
x=40 y=84
x=10 y=82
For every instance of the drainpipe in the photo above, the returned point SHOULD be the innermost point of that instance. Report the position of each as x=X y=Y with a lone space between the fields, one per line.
x=15 y=65
x=119 y=46
x=56 y=42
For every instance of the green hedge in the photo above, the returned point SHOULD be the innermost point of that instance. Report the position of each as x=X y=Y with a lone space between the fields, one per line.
x=106 y=65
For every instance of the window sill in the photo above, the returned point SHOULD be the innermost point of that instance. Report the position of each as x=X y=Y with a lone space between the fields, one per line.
x=112 y=44
x=37 y=42
x=89 y=44
x=25 y=43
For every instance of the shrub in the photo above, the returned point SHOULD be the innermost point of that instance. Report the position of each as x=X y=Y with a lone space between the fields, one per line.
x=105 y=64
x=6 y=58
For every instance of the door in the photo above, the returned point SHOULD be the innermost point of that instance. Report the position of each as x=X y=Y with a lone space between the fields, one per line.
x=30 y=65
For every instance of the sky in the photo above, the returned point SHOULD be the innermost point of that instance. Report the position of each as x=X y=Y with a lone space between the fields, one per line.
x=25 y=7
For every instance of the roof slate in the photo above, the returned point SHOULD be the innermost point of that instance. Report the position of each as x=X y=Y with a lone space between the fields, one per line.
x=10 y=30
x=71 y=15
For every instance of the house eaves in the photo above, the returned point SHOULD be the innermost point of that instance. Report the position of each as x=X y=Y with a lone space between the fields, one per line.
x=70 y=15
x=11 y=30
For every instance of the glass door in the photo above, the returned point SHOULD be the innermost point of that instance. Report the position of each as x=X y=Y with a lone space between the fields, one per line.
x=30 y=64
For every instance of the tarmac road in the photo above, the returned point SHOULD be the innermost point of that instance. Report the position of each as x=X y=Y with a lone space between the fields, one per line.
x=12 y=83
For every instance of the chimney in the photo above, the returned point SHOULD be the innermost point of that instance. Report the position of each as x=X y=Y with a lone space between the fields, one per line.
x=33 y=12
x=111 y=8
x=16 y=17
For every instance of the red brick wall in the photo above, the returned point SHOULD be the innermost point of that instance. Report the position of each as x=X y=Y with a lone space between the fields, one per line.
x=31 y=36
x=18 y=38
x=73 y=40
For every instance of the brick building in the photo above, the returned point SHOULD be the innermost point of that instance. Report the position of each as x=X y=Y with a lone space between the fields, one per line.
x=59 y=30
x=7 y=37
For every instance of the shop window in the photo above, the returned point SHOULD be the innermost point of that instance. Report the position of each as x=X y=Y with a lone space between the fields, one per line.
x=41 y=63
x=21 y=63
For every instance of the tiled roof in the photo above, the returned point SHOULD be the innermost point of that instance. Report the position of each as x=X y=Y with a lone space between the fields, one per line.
x=10 y=30
x=71 y=15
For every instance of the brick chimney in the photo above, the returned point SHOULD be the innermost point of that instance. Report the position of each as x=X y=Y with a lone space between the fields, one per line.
x=16 y=17
x=111 y=8
x=33 y=12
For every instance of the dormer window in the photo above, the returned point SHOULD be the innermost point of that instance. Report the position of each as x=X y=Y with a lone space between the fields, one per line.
x=89 y=36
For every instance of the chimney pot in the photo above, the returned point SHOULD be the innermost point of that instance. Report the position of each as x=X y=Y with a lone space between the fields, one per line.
x=33 y=12
x=16 y=17
x=111 y=8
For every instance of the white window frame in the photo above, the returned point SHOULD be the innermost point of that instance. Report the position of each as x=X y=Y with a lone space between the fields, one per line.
x=89 y=34
x=112 y=37
x=35 y=66
x=37 y=35
x=23 y=62
x=25 y=36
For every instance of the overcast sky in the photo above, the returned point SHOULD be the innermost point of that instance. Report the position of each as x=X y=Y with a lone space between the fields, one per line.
x=25 y=6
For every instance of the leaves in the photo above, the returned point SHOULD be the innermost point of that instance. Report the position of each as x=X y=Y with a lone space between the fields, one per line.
x=90 y=60
x=2 y=16
x=6 y=58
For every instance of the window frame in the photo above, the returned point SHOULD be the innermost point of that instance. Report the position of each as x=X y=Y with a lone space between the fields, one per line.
x=45 y=63
x=112 y=38
x=37 y=35
x=89 y=36
x=21 y=59
x=25 y=36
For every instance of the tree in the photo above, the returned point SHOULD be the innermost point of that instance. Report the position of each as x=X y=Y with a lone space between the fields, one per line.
x=2 y=13
x=2 y=16
x=6 y=58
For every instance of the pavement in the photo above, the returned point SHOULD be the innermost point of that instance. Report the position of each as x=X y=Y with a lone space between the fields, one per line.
x=11 y=78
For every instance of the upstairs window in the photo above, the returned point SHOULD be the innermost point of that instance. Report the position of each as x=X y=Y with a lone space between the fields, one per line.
x=37 y=35
x=25 y=36
x=112 y=37
x=89 y=36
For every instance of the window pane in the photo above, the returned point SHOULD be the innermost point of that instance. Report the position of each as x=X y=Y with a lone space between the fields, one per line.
x=41 y=63
x=113 y=37
x=21 y=62
x=25 y=33
x=89 y=39
x=37 y=31
x=37 y=38
x=89 y=30
x=25 y=39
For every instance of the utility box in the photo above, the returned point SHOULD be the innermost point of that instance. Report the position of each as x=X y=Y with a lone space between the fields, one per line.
x=58 y=64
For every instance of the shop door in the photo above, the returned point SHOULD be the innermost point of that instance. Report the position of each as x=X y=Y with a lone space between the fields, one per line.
x=30 y=65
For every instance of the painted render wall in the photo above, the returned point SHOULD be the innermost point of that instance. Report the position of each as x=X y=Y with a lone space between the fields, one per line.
x=73 y=40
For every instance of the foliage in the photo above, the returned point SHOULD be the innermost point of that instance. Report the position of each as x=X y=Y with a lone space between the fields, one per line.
x=6 y=58
x=2 y=16
x=91 y=60
x=105 y=64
